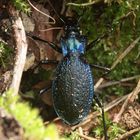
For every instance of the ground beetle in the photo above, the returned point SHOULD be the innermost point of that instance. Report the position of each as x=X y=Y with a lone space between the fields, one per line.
x=72 y=87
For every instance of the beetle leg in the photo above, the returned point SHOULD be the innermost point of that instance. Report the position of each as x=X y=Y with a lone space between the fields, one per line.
x=94 y=65
x=51 y=44
x=103 y=116
x=44 y=90
x=46 y=62
x=107 y=70
x=100 y=67
x=90 y=45
x=49 y=62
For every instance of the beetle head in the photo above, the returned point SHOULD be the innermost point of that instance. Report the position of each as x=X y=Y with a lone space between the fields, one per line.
x=71 y=27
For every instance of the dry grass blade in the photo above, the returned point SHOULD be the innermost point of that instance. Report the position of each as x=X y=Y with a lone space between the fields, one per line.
x=122 y=55
x=111 y=83
x=84 y=4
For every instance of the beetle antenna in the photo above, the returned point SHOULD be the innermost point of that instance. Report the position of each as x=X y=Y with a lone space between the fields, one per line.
x=41 y=12
x=56 y=12
x=79 y=19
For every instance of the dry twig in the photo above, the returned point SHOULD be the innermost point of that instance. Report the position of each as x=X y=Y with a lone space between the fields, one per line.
x=135 y=92
x=131 y=97
x=128 y=134
x=111 y=83
x=123 y=54
x=21 y=49
x=98 y=83
x=86 y=137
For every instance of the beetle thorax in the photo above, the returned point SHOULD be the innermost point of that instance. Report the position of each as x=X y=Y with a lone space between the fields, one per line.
x=72 y=44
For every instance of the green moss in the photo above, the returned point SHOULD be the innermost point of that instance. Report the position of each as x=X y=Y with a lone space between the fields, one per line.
x=5 y=54
x=21 y=5
x=136 y=137
x=28 y=118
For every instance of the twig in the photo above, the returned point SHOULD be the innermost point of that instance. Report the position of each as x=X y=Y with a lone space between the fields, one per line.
x=98 y=83
x=111 y=83
x=122 y=55
x=86 y=137
x=115 y=103
x=135 y=92
x=21 y=50
x=131 y=96
x=128 y=134
x=83 y=4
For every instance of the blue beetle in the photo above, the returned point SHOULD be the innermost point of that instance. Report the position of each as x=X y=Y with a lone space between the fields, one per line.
x=72 y=88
